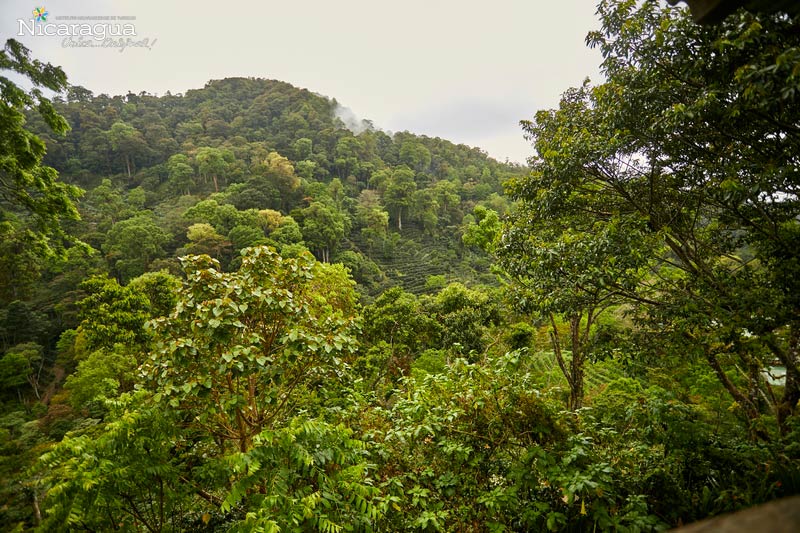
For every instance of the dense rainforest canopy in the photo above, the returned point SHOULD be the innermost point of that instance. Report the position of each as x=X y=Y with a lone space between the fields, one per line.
x=231 y=310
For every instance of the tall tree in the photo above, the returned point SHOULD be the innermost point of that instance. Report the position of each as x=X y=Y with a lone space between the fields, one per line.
x=127 y=141
x=415 y=155
x=133 y=243
x=27 y=187
x=213 y=163
x=398 y=195
x=570 y=268
x=324 y=227
x=181 y=173
x=204 y=239
x=263 y=334
x=689 y=147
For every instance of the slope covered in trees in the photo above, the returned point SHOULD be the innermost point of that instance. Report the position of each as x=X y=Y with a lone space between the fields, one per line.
x=264 y=321
x=243 y=155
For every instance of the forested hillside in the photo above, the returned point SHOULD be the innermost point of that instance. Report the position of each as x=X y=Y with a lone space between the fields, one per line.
x=237 y=309
x=264 y=162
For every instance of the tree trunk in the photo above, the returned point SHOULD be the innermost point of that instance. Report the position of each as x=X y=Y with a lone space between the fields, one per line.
x=34 y=383
x=750 y=410
x=791 y=390
x=37 y=512
x=567 y=371
x=574 y=371
x=576 y=367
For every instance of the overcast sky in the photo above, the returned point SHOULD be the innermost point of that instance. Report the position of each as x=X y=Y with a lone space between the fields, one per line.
x=463 y=70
